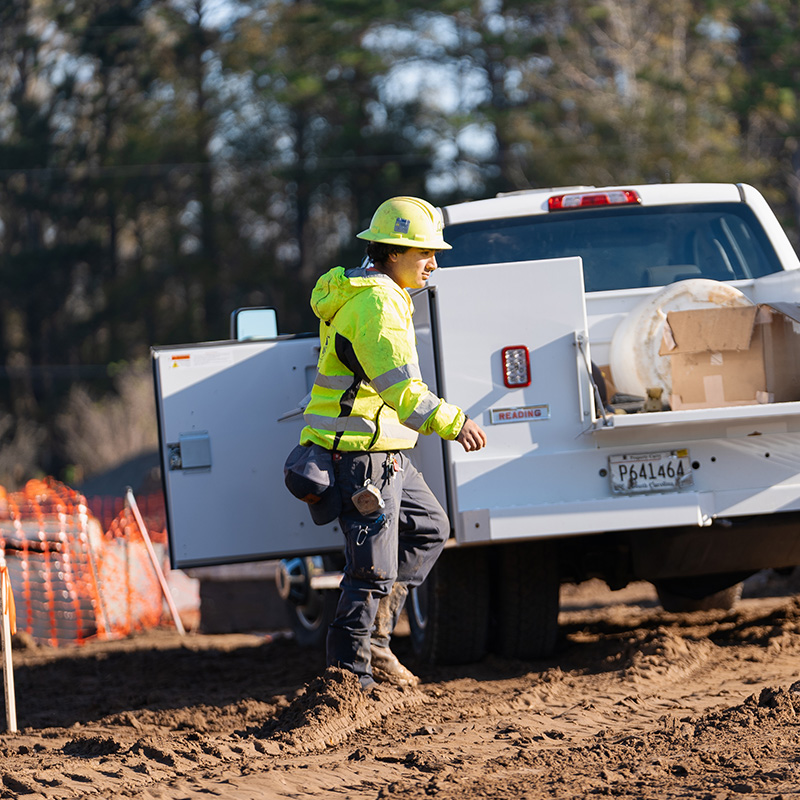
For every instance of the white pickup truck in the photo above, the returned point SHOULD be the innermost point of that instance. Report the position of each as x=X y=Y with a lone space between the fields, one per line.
x=633 y=354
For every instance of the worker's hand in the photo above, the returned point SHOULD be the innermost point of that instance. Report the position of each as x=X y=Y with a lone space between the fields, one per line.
x=472 y=436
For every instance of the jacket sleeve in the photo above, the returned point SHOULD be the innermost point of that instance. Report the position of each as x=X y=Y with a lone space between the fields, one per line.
x=384 y=343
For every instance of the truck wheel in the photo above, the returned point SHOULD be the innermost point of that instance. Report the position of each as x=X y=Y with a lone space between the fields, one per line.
x=310 y=622
x=526 y=600
x=310 y=610
x=449 y=613
x=684 y=595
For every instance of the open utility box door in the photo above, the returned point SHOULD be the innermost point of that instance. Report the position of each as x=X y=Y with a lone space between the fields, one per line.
x=225 y=434
x=478 y=311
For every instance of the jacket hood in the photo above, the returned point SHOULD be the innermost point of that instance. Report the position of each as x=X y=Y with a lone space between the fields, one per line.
x=337 y=286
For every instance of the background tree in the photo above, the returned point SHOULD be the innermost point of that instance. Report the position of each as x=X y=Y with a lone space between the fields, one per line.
x=614 y=91
x=765 y=98
x=326 y=144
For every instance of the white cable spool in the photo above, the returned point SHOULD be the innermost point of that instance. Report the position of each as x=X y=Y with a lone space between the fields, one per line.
x=635 y=363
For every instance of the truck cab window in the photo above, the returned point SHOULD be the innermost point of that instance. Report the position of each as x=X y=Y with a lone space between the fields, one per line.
x=626 y=248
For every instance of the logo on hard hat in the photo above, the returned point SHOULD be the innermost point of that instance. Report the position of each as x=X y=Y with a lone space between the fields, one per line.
x=401 y=225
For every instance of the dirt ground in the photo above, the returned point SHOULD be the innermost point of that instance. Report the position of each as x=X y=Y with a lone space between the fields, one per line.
x=637 y=703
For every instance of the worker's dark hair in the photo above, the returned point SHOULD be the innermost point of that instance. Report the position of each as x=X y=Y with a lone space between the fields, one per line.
x=378 y=252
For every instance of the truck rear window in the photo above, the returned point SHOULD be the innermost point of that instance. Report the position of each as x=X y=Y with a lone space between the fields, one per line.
x=625 y=248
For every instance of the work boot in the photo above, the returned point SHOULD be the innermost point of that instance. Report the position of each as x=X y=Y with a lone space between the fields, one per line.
x=387 y=669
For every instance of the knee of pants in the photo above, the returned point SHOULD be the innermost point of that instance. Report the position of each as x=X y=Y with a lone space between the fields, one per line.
x=430 y=525
x=442 y=525
x=361 y=583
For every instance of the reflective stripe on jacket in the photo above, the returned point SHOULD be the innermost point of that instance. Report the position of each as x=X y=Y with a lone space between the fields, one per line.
x=368 y=393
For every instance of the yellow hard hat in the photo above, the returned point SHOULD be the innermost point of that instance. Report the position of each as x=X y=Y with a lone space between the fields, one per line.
x=407 y=221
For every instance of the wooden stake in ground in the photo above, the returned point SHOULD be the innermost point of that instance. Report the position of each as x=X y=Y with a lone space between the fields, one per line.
x=9 y=627
x=132 y=504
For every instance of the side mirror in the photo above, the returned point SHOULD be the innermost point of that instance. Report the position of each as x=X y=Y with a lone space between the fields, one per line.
x=254 y=323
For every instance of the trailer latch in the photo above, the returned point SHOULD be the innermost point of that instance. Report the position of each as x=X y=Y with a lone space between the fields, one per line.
x=192 y=452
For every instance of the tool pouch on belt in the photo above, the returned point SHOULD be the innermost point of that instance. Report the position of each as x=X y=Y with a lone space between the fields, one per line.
x=308 y=474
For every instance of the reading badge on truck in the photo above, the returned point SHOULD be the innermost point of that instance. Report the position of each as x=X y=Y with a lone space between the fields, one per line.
x=667 y=471
x=500 y=416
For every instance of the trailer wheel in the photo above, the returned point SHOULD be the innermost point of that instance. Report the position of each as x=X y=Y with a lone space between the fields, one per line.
x=684 y=595
x=449 y=613
x=526 y=600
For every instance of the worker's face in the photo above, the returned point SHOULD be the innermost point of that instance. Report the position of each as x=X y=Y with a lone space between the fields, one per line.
x=412 y=268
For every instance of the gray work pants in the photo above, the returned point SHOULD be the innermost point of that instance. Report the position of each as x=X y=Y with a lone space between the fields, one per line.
x=398 y=544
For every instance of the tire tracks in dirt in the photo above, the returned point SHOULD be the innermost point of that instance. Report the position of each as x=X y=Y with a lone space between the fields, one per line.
x=637 y=704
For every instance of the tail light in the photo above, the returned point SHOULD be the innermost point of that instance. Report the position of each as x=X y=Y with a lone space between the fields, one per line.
x=516 y=366
x=616 y=197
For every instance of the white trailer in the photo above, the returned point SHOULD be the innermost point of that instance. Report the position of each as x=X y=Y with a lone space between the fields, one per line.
x=517 y=327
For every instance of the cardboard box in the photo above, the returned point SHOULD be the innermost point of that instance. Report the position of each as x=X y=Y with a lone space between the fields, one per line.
x=733 y=356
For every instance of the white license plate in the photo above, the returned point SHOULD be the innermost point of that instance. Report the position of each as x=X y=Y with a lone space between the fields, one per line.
x=650 y=472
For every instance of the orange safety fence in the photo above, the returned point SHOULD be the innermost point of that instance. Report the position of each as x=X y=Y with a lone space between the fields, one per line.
x=73 y=581
x=106 y=508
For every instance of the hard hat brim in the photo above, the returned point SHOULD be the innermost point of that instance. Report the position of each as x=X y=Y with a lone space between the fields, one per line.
x=399 y=239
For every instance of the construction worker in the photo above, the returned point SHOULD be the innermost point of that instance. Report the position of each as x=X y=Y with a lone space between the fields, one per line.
x=367 y=406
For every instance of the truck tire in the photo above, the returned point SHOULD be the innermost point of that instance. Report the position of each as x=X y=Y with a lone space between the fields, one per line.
x=310 y=622
x=311 y=610
x=526 y=600
x=449 y=613
x=684 y=595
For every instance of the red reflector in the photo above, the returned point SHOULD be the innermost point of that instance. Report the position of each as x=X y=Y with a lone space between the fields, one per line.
x=516 y=366
x=617 y=197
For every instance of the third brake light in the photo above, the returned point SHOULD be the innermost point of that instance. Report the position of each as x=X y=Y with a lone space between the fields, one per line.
x=613 y=197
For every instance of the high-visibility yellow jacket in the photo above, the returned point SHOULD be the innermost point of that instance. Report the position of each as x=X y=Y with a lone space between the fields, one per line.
x=368 y=393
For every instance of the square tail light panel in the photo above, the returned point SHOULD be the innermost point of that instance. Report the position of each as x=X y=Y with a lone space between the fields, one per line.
x=516 y=366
